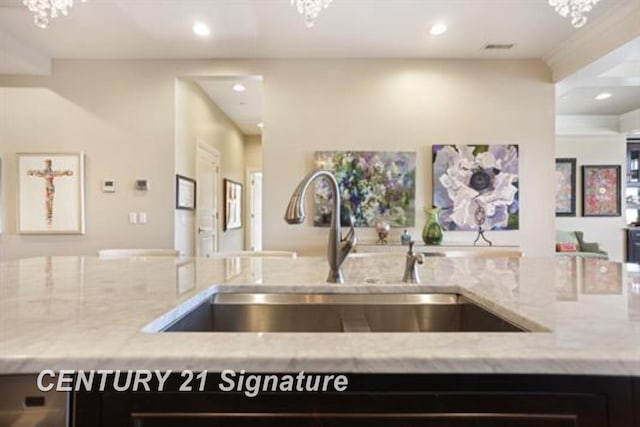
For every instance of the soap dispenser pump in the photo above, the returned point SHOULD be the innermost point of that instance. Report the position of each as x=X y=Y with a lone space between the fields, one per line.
x=405 y=239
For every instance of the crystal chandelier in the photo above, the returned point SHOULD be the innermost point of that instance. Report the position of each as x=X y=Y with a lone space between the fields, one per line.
x=46 y=10
x=575 y=9
x=310 y=9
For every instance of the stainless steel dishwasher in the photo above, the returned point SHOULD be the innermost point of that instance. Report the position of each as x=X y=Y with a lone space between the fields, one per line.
x=23 y=405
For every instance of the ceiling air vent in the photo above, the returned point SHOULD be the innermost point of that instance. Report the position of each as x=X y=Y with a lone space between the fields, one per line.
x=499 y=46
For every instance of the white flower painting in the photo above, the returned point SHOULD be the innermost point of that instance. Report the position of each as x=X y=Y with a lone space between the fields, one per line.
x=470 y=178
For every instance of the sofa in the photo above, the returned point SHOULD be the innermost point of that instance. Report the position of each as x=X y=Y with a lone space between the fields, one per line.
x=565 y=240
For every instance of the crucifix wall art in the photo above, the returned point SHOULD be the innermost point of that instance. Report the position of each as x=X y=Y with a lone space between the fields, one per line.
x=51 y=193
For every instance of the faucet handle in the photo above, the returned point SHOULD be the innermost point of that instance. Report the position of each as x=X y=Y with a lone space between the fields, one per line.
x=419 y=258
x=352 y=230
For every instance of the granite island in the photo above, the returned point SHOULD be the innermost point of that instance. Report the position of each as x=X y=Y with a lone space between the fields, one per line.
x=85 y=313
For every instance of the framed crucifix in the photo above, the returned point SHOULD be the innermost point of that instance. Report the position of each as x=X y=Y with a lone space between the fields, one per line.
x=51 y=193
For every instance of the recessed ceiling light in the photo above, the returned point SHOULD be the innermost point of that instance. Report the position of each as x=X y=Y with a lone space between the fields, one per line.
x=438 y=29
x=602 y=96
x=239 y=87
x=201 y=29
x=260 y=125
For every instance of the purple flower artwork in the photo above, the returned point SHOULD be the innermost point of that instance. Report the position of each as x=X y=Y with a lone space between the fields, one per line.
x=469 y=177
x=374 y=185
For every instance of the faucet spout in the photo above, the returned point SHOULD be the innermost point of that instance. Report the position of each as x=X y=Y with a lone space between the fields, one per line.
x=338 y=248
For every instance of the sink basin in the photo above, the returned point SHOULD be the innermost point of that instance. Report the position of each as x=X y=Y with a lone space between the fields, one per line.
x=255 y=312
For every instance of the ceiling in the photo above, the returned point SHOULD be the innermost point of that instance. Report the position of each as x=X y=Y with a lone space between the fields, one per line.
x=162 y=29
x=244 y=108
x=617 y=73
x=273 y=29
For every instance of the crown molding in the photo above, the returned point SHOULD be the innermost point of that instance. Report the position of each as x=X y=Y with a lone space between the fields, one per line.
x=587 y=125
x=630 y=122
x=18 y=58
x=617 y=26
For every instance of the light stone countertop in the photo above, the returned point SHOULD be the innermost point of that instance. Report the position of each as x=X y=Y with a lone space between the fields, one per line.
x=89 y=313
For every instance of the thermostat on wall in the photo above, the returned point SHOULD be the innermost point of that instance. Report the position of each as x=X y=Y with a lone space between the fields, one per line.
x=142 y=184
x=108 y=186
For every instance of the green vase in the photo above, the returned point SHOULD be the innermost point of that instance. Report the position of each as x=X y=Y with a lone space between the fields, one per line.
x=432 y=231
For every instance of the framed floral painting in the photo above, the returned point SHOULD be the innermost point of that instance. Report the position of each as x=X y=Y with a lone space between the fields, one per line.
x=472 y=179
x=565 y=187
x=374 y=185
x=601 y=190
x=50 y=193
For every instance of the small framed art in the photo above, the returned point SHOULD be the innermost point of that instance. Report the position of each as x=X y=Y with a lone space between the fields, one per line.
x=185 y=193
x=601 y=190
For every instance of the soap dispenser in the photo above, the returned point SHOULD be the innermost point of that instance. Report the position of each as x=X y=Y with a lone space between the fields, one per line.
x=405 y=239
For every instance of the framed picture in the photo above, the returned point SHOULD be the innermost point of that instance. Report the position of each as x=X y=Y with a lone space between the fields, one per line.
x=374 y=186
x=565 y=187
x=232 y=205
x=51 y=193
x=477 y=181
x=185 y=193
x=601 y=190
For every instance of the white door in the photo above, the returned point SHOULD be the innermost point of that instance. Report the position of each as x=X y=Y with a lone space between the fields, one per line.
x=208 y=171
x=256 y=211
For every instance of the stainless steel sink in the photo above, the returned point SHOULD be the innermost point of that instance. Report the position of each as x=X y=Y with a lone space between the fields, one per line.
x=255 y=312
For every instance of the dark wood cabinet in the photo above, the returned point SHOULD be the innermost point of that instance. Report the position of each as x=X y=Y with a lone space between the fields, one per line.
x=633 y=245
x=383 y=400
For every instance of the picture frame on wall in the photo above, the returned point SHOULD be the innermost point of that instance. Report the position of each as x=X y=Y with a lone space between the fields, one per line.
x=487 y=187
x=601 y=190
x=185 y=193
x=51 y=197
x=232 y=205
x=565 y=187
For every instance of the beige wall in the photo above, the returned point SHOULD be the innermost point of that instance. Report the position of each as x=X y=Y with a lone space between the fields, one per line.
x=123 y=114
x=199 y=119
x=595 y=150
x=253 y=151
x=119 y=115
x=408 y=105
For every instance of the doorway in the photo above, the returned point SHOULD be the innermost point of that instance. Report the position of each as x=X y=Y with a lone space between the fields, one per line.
x=255 y=210
x=208 y=179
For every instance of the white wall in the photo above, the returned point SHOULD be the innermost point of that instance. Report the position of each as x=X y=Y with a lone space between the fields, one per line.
x=595 y=150
x=408 y=105
x=199 y=119
x=123 y=114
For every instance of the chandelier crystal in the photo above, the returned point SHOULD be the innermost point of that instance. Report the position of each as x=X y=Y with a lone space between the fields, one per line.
x=46 y=10
x=310 y=9
x=574 y=9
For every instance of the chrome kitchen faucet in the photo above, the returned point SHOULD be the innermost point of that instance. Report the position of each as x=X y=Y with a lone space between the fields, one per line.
x=411 y=266
x=338 y=248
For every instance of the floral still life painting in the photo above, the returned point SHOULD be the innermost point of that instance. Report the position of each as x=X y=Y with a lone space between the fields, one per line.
x=472 y=178
x=374 y=185
x=601 y=190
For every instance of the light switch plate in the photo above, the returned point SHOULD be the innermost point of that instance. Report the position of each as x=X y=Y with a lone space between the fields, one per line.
x=108 y=186
x=142 y=217
x=133 y=217
x=142 y=184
